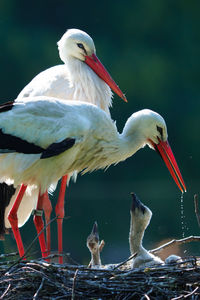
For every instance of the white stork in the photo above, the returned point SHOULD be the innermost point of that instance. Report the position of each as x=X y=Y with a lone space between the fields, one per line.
x=43 y=138
x=81 y=77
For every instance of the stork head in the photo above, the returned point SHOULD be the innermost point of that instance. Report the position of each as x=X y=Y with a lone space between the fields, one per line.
x=146 y=125
x=93 y=239
x=93 y=242
x=140 y=214
x=78 y=44
x=150 y=128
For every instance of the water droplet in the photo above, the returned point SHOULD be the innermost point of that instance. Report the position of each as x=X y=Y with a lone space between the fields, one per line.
x=183 y=222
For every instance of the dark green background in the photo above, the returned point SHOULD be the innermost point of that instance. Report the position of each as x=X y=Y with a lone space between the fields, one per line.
x=152 y=50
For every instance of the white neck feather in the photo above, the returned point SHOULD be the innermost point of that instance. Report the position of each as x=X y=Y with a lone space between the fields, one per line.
x=114 y=147
x=87 y=85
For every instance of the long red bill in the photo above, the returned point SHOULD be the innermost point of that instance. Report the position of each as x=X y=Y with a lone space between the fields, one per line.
x=94 y=63
x=164 y=149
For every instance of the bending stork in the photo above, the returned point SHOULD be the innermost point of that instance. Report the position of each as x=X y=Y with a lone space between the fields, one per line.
x=44 y=138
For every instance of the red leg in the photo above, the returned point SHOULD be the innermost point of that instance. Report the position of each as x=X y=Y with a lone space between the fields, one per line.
x=12 y=217
x=39 y=225
x=60 y=212
x=47 y=212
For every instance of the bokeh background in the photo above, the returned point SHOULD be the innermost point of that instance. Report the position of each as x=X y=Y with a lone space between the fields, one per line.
x=152 y=49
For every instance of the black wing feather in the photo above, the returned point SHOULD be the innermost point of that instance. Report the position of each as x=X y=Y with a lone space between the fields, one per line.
x=10 y=143
x=6 y=106
x=58 y=148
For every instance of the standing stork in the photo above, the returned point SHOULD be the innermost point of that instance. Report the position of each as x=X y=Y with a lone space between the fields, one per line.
x=81 y=77
x=44 y=138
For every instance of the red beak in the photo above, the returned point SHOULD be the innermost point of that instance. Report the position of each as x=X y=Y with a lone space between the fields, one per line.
x=94 y=63
x=164 y=149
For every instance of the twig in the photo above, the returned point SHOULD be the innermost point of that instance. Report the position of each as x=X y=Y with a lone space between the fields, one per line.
x=37 y=236
x=5 y=292
x=196 y=208
x=176 y=242
x=122 y=263
x=177 y=298
x=146 y=296
x=193 y=292
x=8 y=255
x=186 y=296
x=31 y=244
x=39 y=289
x=73 y=287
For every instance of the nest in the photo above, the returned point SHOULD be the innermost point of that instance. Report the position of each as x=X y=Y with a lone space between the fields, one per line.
x=37 y=279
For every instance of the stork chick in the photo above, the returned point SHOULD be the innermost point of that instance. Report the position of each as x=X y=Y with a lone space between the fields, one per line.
x=140 y=218
x=95 y=247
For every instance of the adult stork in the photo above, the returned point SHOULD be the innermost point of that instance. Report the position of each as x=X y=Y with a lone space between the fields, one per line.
x=81 y=77
x=43 y=138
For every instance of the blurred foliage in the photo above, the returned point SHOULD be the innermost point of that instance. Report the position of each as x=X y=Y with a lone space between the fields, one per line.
x=151 y=48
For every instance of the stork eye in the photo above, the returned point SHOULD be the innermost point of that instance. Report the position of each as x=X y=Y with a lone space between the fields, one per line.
x=80 y=45
x=160 y=130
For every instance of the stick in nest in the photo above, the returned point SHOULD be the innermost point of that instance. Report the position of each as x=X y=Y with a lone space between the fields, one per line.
x=177 y=242
x=31 y=244
x=125 y=261
x=73 y=287
x=39 y=289
x=196 y=208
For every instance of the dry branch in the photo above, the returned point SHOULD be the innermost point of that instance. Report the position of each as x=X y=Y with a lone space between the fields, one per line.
x=176 y=242
x=196 y=208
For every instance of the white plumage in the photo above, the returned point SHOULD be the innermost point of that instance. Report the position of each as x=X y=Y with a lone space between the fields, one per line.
x=81 y=77
x=44 y=121
x=72 y=135
x=74 y=80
